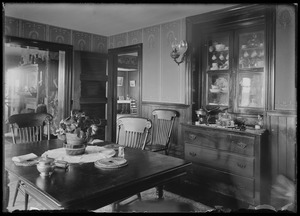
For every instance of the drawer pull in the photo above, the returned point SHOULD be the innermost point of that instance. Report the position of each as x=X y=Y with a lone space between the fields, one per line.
x=192 y=136
x=241 y=165
x=239 y=144
x=193 y=154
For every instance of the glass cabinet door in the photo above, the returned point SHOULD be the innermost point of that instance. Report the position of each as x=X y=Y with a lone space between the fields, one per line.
x=218 y=87
x=217 y=69
x=251 y=70
x=218 y=52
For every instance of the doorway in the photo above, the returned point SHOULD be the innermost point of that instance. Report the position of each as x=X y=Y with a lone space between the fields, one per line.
x=37 y=74
x=125 y=65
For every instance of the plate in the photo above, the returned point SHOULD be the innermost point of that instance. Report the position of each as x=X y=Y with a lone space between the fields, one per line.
x=111 y=163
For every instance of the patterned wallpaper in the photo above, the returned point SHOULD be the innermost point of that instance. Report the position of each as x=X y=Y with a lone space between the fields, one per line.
x=80 y=40
x=159 y=69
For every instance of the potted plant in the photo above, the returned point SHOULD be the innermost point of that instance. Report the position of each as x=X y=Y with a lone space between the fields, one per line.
x=76 y=131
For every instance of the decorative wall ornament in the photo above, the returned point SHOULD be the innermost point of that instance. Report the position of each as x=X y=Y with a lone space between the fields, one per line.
x=151 y=42
x=99 y=44
x=11 y=26
x=34 y=30
x=284 y=17
x=81 y=41
x=111 y=42
x=178 y=50
x=135 y=37
x=59 y=35
x=121 y=40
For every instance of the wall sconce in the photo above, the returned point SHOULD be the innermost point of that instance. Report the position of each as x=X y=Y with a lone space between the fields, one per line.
x=179 y=49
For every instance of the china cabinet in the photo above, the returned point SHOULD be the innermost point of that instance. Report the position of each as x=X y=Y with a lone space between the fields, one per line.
x=233 y=69
x=231 y=66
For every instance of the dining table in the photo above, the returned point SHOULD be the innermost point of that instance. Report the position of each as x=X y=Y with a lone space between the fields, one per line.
x=84 y=186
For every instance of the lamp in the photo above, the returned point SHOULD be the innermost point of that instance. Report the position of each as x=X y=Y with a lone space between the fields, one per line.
x=179 y=49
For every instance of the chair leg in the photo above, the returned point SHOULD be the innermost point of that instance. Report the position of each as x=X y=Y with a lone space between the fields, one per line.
x=26 y=200
x=115 y=207
x=16 y=192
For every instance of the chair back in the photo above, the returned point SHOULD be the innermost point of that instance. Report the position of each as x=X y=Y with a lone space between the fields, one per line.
x=133 y=131
x=163 y=122
x=28 y=127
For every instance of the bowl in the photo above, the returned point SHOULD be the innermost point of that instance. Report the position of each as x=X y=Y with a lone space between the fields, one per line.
x=74 y=149
x=45 y=166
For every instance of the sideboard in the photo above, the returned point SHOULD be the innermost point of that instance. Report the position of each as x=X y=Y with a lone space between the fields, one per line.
x=228 y=161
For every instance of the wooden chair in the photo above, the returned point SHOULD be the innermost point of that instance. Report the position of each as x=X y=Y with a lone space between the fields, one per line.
x=25 y=128
x=132 y=132
x=163 y=122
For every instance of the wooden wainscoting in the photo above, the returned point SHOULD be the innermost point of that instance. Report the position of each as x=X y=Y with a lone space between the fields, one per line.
x=176 y=147
x=282 y=129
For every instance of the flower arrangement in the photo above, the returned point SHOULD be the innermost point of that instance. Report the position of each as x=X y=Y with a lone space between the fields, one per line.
x=80 y=124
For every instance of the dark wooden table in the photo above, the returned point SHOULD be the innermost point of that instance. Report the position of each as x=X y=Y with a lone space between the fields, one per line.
x=88 y=187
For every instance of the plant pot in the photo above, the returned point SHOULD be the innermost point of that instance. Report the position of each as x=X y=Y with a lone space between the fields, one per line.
x=74 y=149
x=73 y=139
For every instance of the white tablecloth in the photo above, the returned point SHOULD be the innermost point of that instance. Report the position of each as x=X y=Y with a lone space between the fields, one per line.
x=92 y=154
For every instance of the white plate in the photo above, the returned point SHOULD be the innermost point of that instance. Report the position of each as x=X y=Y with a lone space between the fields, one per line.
x=111 y=163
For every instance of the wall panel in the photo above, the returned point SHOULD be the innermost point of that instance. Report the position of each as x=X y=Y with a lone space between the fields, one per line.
x=282 y=128
x=285 y=82
x=151 y=83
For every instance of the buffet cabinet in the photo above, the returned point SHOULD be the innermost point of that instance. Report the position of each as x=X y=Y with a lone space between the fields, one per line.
x=228 y=161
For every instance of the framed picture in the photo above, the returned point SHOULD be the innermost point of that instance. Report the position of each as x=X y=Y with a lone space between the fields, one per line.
x=120 y=81
x=132 y=83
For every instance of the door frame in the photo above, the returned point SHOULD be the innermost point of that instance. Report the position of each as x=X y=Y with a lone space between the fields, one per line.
x=113 y=72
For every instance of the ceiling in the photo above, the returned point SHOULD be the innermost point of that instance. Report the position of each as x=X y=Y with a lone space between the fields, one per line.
x=105 y=19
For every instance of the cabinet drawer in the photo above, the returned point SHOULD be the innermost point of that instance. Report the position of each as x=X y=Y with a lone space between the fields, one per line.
x=224 y=141
x=220 y=160
x=240 y=187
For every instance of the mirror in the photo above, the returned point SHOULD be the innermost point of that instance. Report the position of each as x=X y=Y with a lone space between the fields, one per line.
x=36 y=75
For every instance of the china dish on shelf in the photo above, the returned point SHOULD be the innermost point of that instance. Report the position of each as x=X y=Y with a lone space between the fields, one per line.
x=214 y=90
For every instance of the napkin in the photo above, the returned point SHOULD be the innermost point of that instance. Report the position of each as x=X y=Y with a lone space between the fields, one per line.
x=23 y=158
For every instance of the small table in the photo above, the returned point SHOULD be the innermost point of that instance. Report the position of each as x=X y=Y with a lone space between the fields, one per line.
x=88 y=187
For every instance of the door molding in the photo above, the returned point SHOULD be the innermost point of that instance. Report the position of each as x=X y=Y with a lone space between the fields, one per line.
x=113 y=74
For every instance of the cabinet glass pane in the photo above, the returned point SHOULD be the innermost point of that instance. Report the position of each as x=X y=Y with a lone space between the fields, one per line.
x=251 y=51
x=251 y=90
x=218 y=89
x=218 y=52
